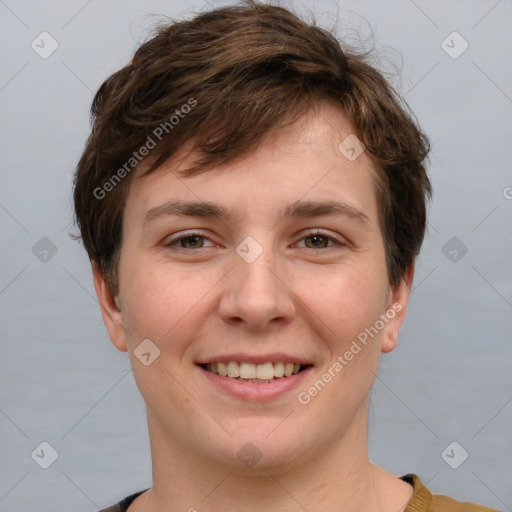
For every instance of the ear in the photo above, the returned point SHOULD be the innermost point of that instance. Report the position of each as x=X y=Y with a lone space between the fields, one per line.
x=395 y=310
x=110 y=311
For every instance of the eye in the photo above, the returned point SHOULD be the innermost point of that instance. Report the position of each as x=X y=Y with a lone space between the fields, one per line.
x=189 y=241
x=192 y=241
x=320 y=240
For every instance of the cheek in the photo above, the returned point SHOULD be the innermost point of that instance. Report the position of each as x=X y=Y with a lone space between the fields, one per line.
x=161 y=302
x=351 y=306
x=160 y=306
x=355 y=295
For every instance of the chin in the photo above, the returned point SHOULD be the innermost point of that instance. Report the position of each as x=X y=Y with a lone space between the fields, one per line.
x=263 y=445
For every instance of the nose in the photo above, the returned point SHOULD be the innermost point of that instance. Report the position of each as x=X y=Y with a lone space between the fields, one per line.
x=258 y=293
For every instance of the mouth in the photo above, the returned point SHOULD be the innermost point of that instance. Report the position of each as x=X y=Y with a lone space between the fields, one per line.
x=263 y=373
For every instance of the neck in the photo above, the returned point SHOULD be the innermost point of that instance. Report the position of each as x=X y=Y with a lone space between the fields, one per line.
x=328 y=478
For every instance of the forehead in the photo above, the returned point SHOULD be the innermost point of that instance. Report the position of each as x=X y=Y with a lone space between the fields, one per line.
x=311 y=160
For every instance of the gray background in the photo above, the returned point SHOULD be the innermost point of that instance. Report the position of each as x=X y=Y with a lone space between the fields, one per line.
x=448 y=380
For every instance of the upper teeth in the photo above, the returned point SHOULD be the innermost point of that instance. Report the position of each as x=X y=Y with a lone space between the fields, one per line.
x=265 y=371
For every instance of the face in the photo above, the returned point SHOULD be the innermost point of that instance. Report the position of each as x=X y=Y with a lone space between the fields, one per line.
x=266 y=272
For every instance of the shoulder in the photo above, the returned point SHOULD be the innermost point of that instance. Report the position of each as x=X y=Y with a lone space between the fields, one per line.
x=123 y=505
x=424 y=501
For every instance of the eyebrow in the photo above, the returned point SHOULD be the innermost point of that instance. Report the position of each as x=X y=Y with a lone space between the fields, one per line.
x=298 y=209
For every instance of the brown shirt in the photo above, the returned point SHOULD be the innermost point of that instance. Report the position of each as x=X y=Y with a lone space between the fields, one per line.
x=422 y=500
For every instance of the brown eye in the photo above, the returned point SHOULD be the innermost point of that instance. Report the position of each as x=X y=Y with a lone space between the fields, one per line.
x=317 y=241
x=189 y=241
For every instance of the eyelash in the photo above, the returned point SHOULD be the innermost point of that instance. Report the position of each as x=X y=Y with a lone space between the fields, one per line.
x=171 y=244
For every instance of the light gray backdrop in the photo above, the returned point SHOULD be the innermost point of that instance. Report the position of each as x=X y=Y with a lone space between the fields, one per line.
x=63 y=383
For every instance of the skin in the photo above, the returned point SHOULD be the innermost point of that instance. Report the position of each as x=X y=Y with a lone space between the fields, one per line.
x=303 y=295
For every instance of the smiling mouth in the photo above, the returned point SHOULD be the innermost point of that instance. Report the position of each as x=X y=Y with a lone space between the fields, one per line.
x=256 y=373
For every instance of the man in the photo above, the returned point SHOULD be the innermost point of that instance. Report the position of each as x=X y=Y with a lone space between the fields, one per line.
x=252 y=199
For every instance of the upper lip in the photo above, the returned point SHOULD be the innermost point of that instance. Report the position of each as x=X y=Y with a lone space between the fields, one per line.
x=274 y=357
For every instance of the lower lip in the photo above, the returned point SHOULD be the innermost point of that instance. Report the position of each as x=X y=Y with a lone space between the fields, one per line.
x=254 y=391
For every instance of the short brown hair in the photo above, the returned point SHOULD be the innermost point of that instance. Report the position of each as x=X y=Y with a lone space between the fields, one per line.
x=228 y=77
